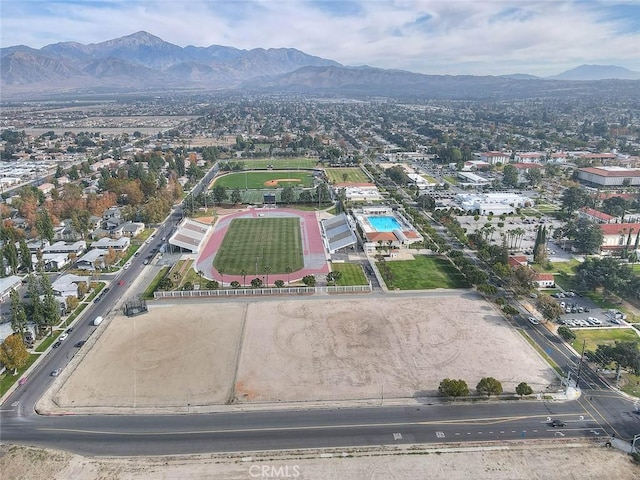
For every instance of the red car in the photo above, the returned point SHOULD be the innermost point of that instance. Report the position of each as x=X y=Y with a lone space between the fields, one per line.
x=121 y=282
x=22 y=381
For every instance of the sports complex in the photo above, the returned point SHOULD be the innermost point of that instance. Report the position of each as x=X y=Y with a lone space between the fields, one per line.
x=267 y=243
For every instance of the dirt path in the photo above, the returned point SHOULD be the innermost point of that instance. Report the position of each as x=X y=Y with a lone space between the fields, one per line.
x=531 y=461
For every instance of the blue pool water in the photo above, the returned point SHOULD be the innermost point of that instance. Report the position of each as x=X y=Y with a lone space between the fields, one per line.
x=384 y=224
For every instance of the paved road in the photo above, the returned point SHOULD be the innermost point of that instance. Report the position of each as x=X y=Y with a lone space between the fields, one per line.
x=245 y=431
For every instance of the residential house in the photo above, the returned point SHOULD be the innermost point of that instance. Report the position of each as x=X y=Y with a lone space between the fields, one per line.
x=91 y=259
x=117 y=244
x=67 y=285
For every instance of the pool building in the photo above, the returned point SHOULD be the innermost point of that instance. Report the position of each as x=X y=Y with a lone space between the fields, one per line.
x=382 y=228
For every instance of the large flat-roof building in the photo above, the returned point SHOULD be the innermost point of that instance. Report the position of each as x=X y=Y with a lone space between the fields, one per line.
x=609 y=176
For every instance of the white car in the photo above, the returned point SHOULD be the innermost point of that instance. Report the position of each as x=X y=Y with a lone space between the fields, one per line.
x=127 y=265
x=533 y=321
x=63 y=337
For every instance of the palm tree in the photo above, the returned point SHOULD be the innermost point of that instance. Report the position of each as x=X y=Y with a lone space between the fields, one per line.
x=267 y=269
x=221 y=272
x=288 y=271
x=244 y=274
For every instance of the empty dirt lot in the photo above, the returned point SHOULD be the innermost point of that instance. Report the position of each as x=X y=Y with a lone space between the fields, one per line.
x=319 y=348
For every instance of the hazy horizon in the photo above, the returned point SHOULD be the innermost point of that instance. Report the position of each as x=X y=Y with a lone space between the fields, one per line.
x=456 y=37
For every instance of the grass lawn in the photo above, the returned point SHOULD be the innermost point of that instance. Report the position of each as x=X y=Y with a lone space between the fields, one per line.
x=252 y=243
x=567 y=268
x=425 y=273
x=49 y=339
x=547 y=208
x=148 y=293
x=352 y=274
x=256 y=196
x=429 y=178
x=281 y=163
x=253 y=180
x=353 y=174
x=451 y=179
x=602 y=336
x=636 y=268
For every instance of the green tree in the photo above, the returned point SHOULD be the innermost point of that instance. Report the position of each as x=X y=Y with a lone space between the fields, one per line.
x=287 y=196
x=13 y=353
x=235 y=284
x=623 y=354
x=550 y=310
x=256 y=283
x=523 y=389
x=25 y=256
x=566 y=333
x=575 y=197
x=279 y=283
x=50 y=306
x=236 y=197
x=220 y=194
x=244 y=272
x=33 y=291
x=489 y=386
x=44 y=225
x=11 y=254
x=453 y=388
x=587 y=235
x=510 y=176
x=309 y=280
x=18 y=315
x=534 y=176
x=334 y=277
x=288 y=271
x=540 y=246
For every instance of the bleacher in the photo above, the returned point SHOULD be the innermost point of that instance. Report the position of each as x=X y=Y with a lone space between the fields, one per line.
x=189 y=235
x=338 y=233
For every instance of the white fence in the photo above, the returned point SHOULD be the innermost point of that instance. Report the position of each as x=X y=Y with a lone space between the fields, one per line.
x=240 y=292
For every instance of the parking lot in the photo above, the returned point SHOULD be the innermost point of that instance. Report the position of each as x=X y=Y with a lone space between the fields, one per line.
x=582 y=312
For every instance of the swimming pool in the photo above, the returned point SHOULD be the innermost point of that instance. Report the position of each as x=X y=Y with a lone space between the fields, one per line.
x=384 y=224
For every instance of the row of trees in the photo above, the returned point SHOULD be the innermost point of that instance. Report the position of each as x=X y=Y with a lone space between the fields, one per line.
x=488 y=386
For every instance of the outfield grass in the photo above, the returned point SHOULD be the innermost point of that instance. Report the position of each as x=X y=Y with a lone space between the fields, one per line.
x=424 y=273
x=352 y=274
x=254 y=180
x=601 y=336
x=354 y=175
x=281 y=163
x=252 y=243
x=256 y=196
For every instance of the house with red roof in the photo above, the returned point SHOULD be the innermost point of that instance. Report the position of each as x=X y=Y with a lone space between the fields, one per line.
x=545 y=280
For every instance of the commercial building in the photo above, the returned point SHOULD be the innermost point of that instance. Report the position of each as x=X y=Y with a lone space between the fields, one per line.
x=609 y=176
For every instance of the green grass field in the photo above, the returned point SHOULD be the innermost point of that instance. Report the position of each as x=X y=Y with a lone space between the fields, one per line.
x=452 y=180
x=602 y=336
x=352 y=274
x=257 y=180
x=424 y=273
x=354 y=174
x=547 y=208
x=256 y=196
x=292 y=163
x=260 y=242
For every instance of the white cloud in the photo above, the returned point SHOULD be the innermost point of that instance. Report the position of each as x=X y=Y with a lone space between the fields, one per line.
x=440 y=36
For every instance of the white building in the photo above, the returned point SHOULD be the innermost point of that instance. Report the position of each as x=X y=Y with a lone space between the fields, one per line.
x=610 y=176
x=492 y=203
x=495 y=157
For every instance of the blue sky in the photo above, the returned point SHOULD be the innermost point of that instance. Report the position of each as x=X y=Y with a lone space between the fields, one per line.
x=479 y=37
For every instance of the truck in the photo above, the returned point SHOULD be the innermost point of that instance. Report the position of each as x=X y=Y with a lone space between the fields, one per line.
x=97 y=321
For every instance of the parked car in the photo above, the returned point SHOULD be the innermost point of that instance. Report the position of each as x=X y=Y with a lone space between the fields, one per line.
x=56 y=372
x=57 y=344
x=80 y=343
x=63 y=337
x=533 y=321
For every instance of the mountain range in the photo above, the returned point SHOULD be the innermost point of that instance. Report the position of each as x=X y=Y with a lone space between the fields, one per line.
x=143 y=62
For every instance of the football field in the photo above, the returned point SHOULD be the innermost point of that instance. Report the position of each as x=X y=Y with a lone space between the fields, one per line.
x=255 y=243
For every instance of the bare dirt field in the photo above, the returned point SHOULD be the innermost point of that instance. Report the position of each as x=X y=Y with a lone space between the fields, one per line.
x=173 y=356
x=315 y=349
x=531 y=461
